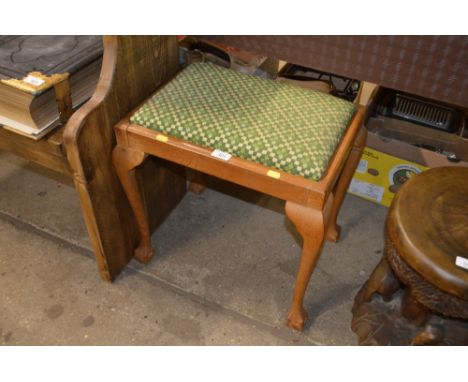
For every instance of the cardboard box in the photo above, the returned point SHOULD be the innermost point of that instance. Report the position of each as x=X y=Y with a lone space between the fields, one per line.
x=419 y=155
x=378 y=176
x=388 y=161
x=384 y=156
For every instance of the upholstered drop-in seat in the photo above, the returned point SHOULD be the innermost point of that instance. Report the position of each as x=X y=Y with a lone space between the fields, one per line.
x=278 y=125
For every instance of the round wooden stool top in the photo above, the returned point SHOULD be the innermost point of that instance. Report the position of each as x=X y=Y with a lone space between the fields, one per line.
x=428 y=225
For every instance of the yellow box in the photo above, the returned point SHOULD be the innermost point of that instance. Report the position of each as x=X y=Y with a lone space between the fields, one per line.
x=378 y=176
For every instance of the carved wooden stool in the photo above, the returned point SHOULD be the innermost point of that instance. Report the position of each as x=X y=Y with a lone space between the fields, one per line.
x=418 y=293
x=292 y=143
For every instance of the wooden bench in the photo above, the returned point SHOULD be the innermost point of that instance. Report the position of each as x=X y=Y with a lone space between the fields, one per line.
x=82 y=149
x=312 y=201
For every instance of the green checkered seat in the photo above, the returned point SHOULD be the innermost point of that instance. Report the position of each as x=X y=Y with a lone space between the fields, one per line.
x=278 y=125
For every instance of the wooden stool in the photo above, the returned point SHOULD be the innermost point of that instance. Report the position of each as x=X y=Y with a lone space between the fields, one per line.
x=418 y=293
x=295 y=144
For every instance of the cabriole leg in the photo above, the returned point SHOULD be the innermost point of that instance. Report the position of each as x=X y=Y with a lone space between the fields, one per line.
x=311 y=225
x=125 y=161
x=197 y=183
x=333 y=231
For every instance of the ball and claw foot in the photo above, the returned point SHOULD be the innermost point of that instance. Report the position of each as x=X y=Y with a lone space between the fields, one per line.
x=297 y=319
x=144 y=254
x=333 y=233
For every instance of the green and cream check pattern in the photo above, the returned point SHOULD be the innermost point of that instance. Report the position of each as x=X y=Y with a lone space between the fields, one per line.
x=278 y=125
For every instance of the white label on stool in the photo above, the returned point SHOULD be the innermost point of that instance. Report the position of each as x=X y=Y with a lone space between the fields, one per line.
x=221 y=154
x=461 y=262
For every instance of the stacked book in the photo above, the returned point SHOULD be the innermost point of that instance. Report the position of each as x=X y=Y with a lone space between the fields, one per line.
x=31 y=67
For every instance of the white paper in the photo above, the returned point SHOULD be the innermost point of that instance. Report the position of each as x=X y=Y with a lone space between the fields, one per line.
x=33 y=80
x=461 y=262
x=367 y=190
x=362 y=166
x=221 y=155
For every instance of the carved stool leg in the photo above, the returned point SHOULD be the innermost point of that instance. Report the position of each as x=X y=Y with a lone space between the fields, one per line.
x=412 y=309
x=197 y=182
x=311 y=225
x=125 y=160
x=333 y=231
x=382 y=280
x=430 y=335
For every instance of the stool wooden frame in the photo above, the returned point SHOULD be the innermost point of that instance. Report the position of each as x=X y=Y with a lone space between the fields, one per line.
x=312 y=206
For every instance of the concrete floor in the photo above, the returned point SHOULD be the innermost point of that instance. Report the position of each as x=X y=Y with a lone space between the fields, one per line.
x=224 y=271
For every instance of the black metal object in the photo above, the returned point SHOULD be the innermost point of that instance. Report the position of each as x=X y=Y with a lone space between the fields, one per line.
x=340 y=86
x=199 y=51
x=420 y=111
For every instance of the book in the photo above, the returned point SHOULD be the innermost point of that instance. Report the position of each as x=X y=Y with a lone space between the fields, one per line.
x=30 y=67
